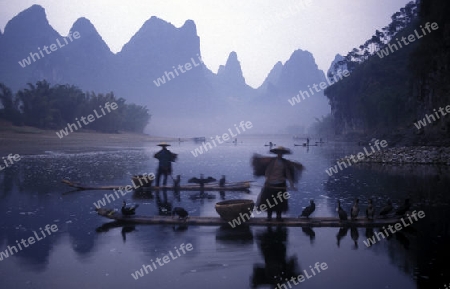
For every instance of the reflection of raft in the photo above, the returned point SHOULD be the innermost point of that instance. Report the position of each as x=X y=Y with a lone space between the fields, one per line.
x=259 y=221
x=234 y=186
x=82 y=187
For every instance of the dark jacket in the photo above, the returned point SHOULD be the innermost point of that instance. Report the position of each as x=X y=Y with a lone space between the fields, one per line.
x=165 y=158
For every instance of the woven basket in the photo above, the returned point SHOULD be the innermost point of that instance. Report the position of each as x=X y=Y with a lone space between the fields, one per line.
x=229 y=210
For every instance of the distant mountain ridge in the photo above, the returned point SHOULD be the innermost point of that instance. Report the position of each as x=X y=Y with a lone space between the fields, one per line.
x=190 y=92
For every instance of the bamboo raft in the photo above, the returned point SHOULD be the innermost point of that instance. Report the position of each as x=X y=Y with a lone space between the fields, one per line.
x=235 y=186
x=216 y=221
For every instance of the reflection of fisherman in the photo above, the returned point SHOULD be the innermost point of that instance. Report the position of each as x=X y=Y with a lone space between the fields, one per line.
x=278 y=267
x=277 y=171
x=164 y=206
x=165 y=158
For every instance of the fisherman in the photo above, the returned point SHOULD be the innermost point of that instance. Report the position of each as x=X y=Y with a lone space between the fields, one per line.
x=165 y=158
x=276 y=171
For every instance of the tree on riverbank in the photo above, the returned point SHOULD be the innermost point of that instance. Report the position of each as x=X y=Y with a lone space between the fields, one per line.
x=387 y=93
x=47 y=107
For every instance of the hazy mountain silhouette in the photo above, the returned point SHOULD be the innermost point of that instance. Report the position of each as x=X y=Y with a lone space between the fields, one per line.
x=332 y=70
x=299 y=73
x=161 y=67
x=229 y=83
x=24 y=34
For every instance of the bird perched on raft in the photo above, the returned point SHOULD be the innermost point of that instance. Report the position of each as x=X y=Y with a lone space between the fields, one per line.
x=355 y=209
x=180 y=212
x=128 y=210
x=342 y=214
x=370 y=211
x=403 y=209
x=308 y=210
x=386 y=209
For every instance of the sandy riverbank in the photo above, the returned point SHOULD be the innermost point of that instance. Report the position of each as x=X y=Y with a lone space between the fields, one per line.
x=27 y=140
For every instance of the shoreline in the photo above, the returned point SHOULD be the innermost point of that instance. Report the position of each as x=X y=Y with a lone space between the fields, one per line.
x=30 y=141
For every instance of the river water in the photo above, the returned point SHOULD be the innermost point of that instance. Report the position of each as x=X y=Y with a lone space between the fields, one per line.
x=88 y=251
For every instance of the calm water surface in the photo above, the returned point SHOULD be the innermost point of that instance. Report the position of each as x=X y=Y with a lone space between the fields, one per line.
x=89 y=251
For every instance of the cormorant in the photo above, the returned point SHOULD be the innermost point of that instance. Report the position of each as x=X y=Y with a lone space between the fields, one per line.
x=370 y=211
x=386 y=209
x=128 y=210
x=342 y=214
x=180 y=212
x=308 y=210
x=355 y=209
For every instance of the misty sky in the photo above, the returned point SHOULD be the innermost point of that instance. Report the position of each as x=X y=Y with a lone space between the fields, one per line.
x=262 y=32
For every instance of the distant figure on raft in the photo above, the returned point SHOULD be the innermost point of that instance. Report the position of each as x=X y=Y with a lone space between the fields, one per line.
x=276 y=171
x=165 y=158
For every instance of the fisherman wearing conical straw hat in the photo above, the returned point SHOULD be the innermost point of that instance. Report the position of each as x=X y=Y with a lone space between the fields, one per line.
x=277 y=171
x=165 y=158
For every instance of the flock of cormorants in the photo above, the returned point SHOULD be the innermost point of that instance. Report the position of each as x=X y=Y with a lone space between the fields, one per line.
x=354 y=211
